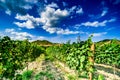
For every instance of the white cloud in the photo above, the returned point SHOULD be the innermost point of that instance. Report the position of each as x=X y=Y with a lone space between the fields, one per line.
x=72 y=9
x=17 y=6
x=31 y=1
x=97 y=23
x=104 y=12
x=22 y=35
x=28 y=24
x=75 y=9
x=27 y=6
x=79 y=11
x=112 y=20
x=53 y=5
x=49 y=20
x=25 y=17
x=8 y=12
x=100 y=15
x=9 y=30
x=77 y=26
x=29 y=21
x=99 y=34
x=66 y=32
x=94 y=24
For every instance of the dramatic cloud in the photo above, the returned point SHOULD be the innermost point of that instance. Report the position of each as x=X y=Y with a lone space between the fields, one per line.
x=97 y=23
x=18 y=6
x=28 y=24
x=29 y=21
x=49 y=20
x=22 y=35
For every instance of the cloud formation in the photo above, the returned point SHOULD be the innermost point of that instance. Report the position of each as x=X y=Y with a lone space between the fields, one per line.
x=97 y=23
x=75 y=9
x=22 y=35
x=99 y=34
x=8 y=12
x=17 y=6
x=49 y=20
x=30 y=21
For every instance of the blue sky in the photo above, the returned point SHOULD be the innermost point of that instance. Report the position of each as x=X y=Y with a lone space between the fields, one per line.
x=60 y=20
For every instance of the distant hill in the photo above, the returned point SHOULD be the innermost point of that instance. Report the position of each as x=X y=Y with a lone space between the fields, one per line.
x=43 y=42
x=106 y=41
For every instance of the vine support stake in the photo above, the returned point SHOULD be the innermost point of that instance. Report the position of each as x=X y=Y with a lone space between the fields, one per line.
x=91 y=60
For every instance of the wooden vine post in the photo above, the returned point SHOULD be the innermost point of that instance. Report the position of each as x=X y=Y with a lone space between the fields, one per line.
x=91 y=61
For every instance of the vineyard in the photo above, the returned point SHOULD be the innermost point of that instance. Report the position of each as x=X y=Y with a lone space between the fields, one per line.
x=84 y=60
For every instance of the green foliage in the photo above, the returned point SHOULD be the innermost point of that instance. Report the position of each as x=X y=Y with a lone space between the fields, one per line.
x=46 y=74
x=15 y=54
x=101 y=77
x=108 y=53
x=27 y=75
x=78 y=57
x=70 y=77
x=75 y=55
x=18 y=77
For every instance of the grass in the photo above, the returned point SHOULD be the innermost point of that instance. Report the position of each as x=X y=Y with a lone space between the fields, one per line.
x=43 y=75
x=27 y=75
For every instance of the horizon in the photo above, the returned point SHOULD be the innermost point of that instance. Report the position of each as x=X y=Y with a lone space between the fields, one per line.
x=59 y=21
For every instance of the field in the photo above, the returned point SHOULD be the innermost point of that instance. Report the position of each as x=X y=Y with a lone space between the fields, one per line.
x=83 y=60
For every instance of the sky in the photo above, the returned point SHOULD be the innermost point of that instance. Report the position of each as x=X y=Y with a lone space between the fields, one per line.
x=60 y=20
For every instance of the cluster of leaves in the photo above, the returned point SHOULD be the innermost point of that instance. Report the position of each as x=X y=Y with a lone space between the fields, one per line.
x=29 y=75
x=42 y=75
x=78 y=57
x=15 y=54
x=108 y=53
x=58 y=52
x=75 y=55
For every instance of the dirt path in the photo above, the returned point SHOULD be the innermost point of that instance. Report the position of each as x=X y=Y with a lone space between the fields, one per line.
x=45 y=70
x=57 y=70
x=108 y=71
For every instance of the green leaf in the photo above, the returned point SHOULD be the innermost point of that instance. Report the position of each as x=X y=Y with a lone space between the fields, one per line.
x=82 y=59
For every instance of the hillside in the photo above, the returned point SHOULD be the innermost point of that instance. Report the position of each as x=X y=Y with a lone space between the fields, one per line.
x=43 y=42
x=106 y=41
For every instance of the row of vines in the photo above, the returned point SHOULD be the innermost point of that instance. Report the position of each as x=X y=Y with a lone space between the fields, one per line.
x=108 y=54
x=15 y=54
x=81 y=56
